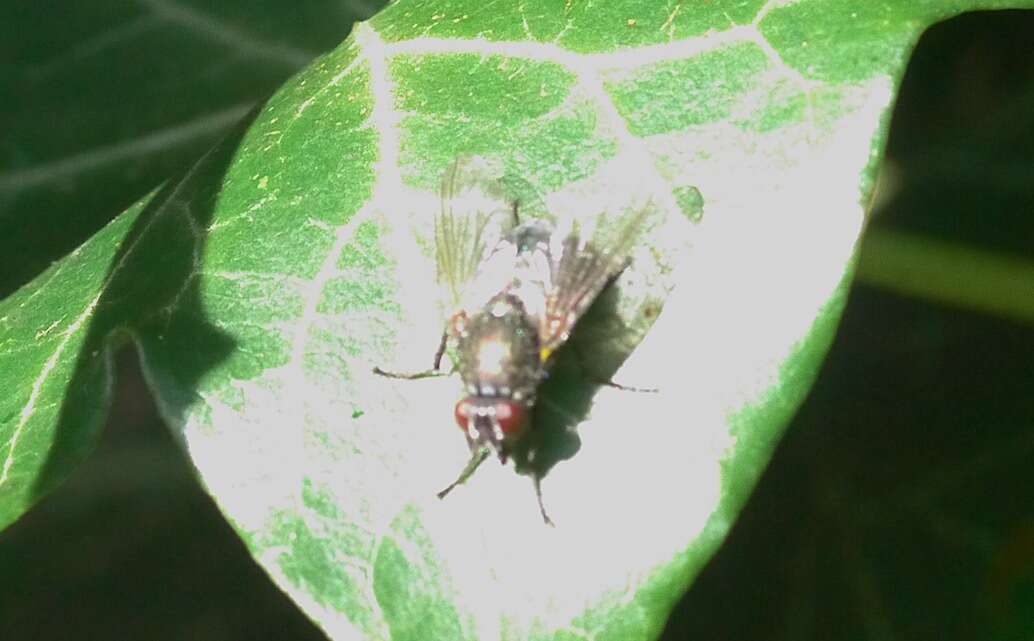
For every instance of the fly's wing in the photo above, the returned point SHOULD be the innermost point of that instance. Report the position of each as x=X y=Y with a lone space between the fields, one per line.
x=586 y=257
x=476 y=216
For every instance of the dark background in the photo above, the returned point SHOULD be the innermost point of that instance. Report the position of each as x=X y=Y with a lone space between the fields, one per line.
x=900 y=504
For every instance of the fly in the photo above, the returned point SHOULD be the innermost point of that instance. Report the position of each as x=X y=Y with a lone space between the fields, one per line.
x=515 y=290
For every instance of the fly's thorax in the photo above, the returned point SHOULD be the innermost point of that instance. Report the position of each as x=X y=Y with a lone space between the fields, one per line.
x=499 y=350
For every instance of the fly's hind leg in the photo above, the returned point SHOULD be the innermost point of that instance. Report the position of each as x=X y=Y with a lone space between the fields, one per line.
x=625 y=388
x=427 y=373
x=598 y=380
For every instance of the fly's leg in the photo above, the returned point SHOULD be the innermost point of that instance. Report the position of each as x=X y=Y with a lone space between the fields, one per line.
x=477 y=457
x=538 y=495
x=409 y=376
x=427 y=373
x=597 y=380
x=441 y=351
x=581 y=357
x=536 y=473
x=625 y=388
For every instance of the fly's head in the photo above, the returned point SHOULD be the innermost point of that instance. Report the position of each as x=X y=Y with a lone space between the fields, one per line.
x=492 y=422
x=500 y=366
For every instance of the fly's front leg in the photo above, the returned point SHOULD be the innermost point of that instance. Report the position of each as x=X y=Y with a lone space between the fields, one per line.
x=477 y=457
x=538 y=495
x=427 y=373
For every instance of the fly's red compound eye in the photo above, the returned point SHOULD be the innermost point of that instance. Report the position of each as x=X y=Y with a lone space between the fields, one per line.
x=510 y=416
x=464 y=410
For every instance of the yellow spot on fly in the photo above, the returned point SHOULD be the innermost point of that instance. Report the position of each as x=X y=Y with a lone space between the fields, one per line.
x=544 y=354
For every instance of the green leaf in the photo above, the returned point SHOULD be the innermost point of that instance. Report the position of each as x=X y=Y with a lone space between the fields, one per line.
x=262 y=286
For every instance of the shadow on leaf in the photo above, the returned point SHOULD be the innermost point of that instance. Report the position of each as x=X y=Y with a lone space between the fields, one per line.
x=151 y=288
x=598 y=346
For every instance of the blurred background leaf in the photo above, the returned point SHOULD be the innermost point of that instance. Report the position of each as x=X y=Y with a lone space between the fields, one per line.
x=103 y=101
x=918 y=422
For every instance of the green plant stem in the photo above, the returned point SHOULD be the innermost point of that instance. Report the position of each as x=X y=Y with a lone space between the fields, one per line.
x=949 y=273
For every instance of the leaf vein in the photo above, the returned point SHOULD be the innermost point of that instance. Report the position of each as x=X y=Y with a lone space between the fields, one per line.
x=30 y=408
